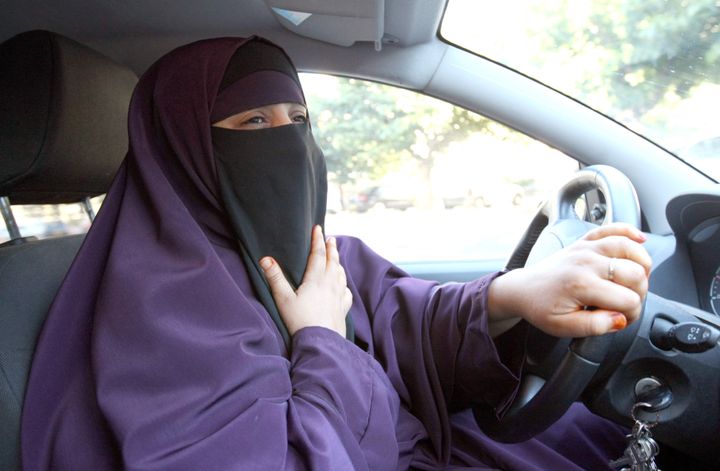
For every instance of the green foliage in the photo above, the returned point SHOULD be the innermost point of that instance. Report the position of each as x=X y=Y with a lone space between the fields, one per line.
x=367 y=129
x=646 y=49
x=360 y=129
x=634 y=56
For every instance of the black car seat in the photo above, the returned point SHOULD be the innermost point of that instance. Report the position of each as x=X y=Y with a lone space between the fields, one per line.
x=63 y=134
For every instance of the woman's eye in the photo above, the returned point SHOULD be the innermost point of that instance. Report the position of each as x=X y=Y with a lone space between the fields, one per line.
x=301 y=118
x=254 y=120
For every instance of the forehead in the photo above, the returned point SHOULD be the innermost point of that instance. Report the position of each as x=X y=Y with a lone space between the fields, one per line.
x=287 y=106
x=263 y=88
x=258 y=74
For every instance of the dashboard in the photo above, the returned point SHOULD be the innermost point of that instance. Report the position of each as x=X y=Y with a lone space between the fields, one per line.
x=691 y=274
x=704 y=243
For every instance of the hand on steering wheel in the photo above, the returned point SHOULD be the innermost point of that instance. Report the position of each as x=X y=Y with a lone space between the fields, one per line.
x=561 y=265
x=594 y=286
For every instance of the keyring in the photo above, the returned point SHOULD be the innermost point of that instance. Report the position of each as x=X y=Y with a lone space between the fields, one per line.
x=647 y=425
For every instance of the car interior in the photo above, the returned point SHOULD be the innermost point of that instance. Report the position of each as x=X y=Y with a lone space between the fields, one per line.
x=67 y=72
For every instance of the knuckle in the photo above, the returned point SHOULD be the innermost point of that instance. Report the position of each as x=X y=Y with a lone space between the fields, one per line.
x=628 y=246
x=583 y=245
x=631 y=274
x=274 y=275
x=578 y=283
x=630 y=301
x=633 y=315
x=584 y=257
x=595 y=326
x=637 y=273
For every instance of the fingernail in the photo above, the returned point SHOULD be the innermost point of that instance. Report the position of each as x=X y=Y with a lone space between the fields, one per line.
x=619 y=322
x=642 y=236
x=331 y=239
x=265 y=263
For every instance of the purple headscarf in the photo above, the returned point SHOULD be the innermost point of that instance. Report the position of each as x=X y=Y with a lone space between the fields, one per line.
x=129 y=283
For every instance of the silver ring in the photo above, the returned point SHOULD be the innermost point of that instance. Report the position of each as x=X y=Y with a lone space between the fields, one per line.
x=611 y=269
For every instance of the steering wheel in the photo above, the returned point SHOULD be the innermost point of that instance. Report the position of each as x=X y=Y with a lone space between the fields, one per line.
x=540 y=402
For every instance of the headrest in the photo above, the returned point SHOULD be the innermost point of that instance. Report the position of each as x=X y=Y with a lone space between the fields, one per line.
x=63 y=119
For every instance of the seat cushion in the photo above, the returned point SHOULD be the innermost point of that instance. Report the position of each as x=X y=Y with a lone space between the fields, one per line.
x=30 y=274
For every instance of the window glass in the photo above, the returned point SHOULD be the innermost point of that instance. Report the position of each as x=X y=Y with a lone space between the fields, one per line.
x=419 y=179
x=653 y=65
x=49 y=220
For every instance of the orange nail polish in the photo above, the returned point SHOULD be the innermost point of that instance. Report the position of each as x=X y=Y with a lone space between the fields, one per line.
x=619 y=322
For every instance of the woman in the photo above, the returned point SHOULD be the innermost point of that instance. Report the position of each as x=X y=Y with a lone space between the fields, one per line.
x=207 y=324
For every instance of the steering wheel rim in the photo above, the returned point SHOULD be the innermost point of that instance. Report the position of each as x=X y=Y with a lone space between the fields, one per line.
x=539 y=403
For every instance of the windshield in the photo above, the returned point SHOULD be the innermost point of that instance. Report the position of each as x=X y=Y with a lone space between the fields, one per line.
x=653 y=65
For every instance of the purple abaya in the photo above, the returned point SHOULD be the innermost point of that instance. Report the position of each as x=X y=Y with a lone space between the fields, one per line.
x=157 y=354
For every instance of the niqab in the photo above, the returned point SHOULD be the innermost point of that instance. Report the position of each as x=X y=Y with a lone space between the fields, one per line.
x=273 y=181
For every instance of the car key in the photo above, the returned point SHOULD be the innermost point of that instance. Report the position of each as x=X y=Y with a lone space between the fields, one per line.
x=641 y=450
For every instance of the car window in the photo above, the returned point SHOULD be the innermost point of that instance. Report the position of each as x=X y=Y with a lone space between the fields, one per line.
x=49 y=220
x=653 y=65
x=419 y=179
x=416 y=178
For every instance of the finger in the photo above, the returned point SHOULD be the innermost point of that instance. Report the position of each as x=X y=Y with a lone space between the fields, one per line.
x=333 y=262
x=347 y=300
x=585 y=323
x=332 y=252
x=609 y=296
x=626 y=273
x=621 y=247
x=279 y=286
x=616 y=229
x=342 y=275
x=316 y=259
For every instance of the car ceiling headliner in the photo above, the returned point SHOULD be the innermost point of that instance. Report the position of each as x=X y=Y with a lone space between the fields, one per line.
x=136 y=32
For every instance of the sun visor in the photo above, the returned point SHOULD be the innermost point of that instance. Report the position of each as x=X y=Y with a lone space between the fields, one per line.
x=341 y=22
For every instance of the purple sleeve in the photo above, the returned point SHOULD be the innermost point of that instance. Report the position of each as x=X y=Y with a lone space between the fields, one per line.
x=431 y=339
x=225 y=400
x=343 y=411
x=470 y=366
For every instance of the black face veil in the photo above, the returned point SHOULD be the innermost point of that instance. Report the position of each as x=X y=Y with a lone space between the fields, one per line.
x=273 y=181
